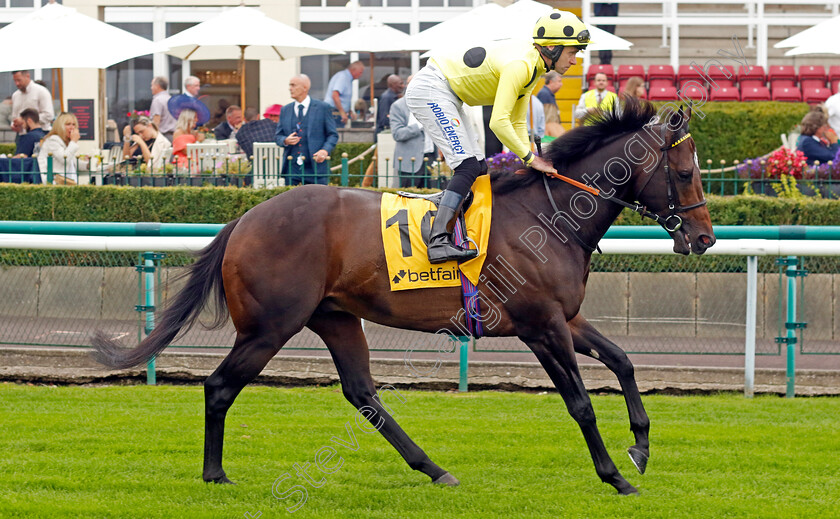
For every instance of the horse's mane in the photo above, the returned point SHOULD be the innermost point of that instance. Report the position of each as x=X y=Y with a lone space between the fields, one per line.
x=575 y=144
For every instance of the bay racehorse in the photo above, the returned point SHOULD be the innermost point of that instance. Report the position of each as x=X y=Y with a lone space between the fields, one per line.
x=313 y=256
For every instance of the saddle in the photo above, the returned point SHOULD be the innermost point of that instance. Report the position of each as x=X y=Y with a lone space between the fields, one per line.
x=435 y=199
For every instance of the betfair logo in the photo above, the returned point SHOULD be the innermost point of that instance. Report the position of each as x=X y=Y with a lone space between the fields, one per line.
x=432 y=274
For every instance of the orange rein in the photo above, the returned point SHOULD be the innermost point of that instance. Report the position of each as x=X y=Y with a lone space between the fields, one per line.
x=577 y=184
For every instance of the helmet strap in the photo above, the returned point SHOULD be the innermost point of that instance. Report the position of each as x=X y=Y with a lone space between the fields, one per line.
x=549 y=55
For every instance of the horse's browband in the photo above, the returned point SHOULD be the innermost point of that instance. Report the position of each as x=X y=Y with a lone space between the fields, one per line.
x=684 y=137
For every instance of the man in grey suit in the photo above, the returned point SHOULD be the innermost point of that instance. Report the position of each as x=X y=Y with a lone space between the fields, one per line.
x=412 y=145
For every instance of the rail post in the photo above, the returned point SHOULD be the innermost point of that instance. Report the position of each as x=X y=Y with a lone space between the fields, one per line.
x=792 y=271
x=49 y=169
x=749 y=346
x=463 y=363
x=345 y=170
x=148 y=289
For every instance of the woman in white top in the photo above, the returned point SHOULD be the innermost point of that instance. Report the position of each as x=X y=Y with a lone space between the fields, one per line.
x=63 y=144
x=147 y=142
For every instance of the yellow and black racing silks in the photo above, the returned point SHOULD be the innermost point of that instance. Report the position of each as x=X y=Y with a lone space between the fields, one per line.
x=501 y=74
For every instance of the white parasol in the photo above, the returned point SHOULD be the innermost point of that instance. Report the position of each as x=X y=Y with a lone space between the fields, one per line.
x=243 y=33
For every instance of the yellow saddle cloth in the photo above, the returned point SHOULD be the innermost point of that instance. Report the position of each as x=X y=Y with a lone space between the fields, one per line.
x=402 y=221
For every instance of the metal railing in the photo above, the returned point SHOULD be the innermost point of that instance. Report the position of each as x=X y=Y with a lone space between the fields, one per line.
x=666 y=304
x=753 y=176
x=264 y=170
x=730 y=178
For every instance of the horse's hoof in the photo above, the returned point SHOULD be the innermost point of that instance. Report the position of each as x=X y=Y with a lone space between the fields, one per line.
x=628 y=490
x=639 y=458
x=222 y=480
x=447 y=479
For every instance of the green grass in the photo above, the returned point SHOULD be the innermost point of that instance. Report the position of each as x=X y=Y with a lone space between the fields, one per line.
x=136 y=452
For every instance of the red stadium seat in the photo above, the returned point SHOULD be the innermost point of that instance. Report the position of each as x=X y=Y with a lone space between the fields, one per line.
x=724 y=77
x=726 y=94
x=661 y=82
x=694 y=92
x=781 y=72
x=625 y=72
x=668 y=93
x=812 y=76
x=611 y=88
x=595 y=69
x=755 y=93
x=834 y=77
x=788 y=94
x=811 y=83
x=782 y=83
x=815 y=95
x=661 y=75
x=753 y=78
x=686 y=74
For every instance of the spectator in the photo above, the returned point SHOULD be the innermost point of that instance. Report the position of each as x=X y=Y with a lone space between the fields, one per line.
x=412 y=146
x=361 y=109
x=199 y=116
x=185 y=133
x=255 y=130
x=339 y=90
x=599 y=98
x=191 y=87
x=538 y=128
x=273 y=113
x=832 y=105
x=219 y=114
x=146 y=143
x=553 y=82
x=30 y=95
x=635 y=87
x=395 y=91
x=553 y=127
x=817 y=141
x=62 y=142
x=606 y=10
x=188 y=101
x=159 y=111
x=233 y=121
x=305 y=126
x=25 y=143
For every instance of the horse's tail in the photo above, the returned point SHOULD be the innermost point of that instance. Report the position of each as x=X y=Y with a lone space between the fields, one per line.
x=179 y=316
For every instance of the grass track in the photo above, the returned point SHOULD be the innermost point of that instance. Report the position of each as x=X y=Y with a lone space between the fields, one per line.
x=136 y=452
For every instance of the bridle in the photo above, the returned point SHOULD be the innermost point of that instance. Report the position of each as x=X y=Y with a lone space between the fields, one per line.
x=670 y=223
x=674 y=206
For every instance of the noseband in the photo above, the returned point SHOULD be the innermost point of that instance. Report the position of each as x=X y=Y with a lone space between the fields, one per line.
x=670 y=223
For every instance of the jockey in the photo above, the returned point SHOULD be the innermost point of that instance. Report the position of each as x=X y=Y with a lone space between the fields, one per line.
x=502 y=74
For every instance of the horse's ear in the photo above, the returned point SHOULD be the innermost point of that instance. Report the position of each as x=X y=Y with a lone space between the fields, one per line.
x=688 y=113
x=675 y=120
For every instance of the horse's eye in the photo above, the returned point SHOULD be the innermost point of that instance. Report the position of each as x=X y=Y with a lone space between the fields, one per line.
x=685 y=175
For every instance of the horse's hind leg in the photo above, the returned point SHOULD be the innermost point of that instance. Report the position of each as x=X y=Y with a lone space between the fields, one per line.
x=555 y=353
x=343 y=335
x=248 y=357
x=589 y=341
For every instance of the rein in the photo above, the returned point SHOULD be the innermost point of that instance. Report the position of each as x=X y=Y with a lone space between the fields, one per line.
x=673 y=198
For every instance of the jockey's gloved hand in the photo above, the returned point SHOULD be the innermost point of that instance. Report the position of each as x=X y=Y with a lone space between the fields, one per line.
x=540 y=164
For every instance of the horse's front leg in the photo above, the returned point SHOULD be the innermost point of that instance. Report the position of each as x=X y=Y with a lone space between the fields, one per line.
x=589 y=341
x=553 y=348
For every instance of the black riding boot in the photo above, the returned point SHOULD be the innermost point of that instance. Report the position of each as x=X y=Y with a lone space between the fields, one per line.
x=441 y=248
